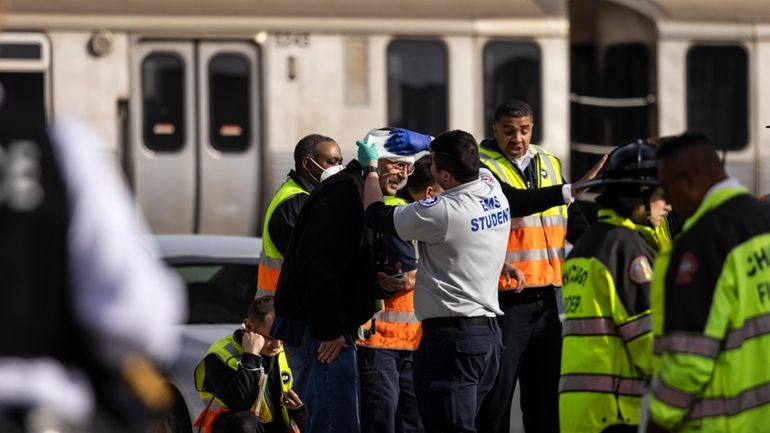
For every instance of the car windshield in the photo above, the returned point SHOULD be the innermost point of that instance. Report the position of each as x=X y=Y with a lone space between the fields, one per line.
x=218 y=293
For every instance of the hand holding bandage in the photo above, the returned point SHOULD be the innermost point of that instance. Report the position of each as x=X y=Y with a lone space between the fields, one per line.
x=367 y=152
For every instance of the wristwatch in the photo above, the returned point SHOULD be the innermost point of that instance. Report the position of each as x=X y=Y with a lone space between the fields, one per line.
x=369 y=169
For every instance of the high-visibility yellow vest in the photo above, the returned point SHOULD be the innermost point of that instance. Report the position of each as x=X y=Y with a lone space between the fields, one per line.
x=536 y=242
x=712 y=337
x=230 y=352
x=607 y=351
x=395 y=326
x=271 y=259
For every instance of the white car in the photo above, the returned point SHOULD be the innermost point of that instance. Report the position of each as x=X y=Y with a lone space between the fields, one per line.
x=220 y=273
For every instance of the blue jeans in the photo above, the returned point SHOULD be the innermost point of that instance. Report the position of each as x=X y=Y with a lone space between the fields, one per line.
x=329 y=391
x=388 y=403
x=454 y=368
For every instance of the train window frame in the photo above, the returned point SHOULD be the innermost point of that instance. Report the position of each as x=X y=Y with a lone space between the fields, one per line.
x=37 y=67
x=489 y=107
x=442 y=125
x=694 y=104
x=182 y=140
x=246 y=133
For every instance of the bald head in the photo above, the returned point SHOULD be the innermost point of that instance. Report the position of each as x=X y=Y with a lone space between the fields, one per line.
x=688 y=166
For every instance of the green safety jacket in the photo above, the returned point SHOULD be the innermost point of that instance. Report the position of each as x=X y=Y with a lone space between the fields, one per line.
x=271 y=260
x=229 y=351
x=607 y=338
x=713 y=339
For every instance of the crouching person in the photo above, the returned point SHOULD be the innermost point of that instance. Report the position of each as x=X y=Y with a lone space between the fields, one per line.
x=245 y=380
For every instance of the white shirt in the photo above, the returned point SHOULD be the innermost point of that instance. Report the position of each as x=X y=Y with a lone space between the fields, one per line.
x=462 y=237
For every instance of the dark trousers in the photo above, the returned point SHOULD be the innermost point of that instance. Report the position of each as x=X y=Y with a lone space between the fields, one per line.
x=532 y=338
x=454 y=368
x=388 y=403
x=238 y=422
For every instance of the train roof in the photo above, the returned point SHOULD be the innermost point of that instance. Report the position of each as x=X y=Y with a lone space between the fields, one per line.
x=736 y=11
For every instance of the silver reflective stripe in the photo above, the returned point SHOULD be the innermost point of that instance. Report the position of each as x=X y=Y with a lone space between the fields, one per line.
x=731 y=406
x=680 y=342
x=264 y=292
x=538 y=221
x=671 y=396
x=497 y=167
x=635 y=328
x=230 y=348
x=592 y=326
x=555 y=177
x=752 y=328
x=533 y=255
x=396 y=317
x=271 y=262
x=601 y=383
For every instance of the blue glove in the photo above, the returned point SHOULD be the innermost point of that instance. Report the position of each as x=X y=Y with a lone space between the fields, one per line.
x=406 y=142
x=366 y=152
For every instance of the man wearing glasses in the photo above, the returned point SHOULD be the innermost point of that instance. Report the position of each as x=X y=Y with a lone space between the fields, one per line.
x=328 y=286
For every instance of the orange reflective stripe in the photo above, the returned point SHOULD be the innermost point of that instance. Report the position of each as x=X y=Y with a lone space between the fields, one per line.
x=267 y=280
x=535 y=238
x=539 y=273
x=208 y=417
x=396 y=326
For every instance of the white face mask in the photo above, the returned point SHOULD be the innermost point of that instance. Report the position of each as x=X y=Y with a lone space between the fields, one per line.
x=326 y=172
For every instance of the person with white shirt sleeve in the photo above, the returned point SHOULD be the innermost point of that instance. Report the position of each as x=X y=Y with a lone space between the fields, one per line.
x=462 y=237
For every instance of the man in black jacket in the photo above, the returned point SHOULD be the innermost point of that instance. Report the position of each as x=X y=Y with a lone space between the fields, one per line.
x=328 y=287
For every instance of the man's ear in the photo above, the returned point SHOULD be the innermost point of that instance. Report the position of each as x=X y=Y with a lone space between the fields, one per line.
x=306 y=164
x=247 y=325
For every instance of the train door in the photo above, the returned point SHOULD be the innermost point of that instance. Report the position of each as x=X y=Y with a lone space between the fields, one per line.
x=612 y=79
x=195 y=146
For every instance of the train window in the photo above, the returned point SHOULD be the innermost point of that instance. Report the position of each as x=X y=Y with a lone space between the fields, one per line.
x=610 y=103
x=163 y=101
x=512 y=71
x=717 y=94
x=24 y=92
x=229 y=102
x=21 y=51
x=417 y=85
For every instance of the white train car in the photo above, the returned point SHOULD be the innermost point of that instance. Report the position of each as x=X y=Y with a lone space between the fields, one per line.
x=202 y=102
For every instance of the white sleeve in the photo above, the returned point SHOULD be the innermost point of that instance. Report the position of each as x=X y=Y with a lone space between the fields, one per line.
x=425 y=220
x=125 y=297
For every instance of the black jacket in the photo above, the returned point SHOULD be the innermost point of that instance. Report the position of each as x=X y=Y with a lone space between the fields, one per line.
x=328 y=279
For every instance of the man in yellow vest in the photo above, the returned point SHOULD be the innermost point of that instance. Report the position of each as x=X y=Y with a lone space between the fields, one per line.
x=245 y=380
x=386 y=355
x=316 y=157
x=607 y=338
x=711 y=299
x=530 y=325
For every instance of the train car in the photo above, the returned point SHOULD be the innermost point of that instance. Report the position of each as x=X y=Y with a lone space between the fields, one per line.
x=201 y=102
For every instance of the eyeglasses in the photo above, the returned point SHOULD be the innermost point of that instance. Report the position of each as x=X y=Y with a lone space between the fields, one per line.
x=403 y=166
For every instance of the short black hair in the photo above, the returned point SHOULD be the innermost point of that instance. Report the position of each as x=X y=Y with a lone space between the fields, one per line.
x=680 y=142
x=307 y=147
x=513 y=108
x=422 y=177
x=458 y=153
x=260 y=308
